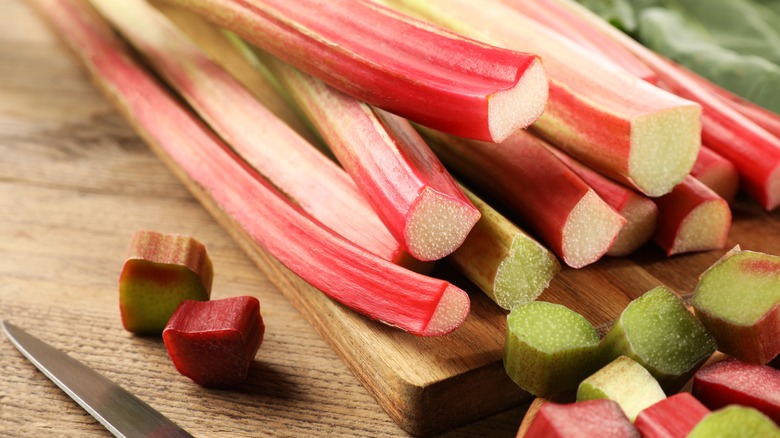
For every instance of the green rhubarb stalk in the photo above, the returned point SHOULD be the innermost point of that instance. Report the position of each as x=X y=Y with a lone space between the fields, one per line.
x=304 y=174
x=616 y=123
x=258 y=215
x=393 y=167
x=393 y=62
x=506 y=263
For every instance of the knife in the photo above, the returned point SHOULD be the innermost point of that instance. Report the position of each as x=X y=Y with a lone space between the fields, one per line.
x=122 y=413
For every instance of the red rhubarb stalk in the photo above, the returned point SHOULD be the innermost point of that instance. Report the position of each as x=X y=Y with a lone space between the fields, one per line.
x=393 y=167
x=754 y=151
x=554 y=16
x=639 y=211
x=296 y=168
x=672 y=417
x=549 y=197
x=612 y=121
x=692 y=218
x=235 y=193
x=717 y=173
x=391 y=61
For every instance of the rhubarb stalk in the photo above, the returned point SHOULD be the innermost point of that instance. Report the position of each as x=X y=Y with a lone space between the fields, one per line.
x=267 y=144
x=235 y=193
x=692 y=218
x=549 y=197
x=394 y=62
x=639 y=211
x=754 y=150
x=409 y=188
x=554 y=16
x=717 y=173
x=620 y=125
x=506 y=263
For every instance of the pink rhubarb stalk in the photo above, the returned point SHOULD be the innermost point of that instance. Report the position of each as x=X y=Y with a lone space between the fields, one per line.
x=549 y=197
x=556 y=17
x=394 y=62
x=294 y=166
x=242 y=199
x=717 y=173
x=672 y=417
x=692 y=218
x=393 y=167
x=639 y=211
x=754 y=150
x=735 y=382
x=620 y=125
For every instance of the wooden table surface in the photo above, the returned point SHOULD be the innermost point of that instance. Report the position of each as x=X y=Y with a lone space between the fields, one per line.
x=75 y=184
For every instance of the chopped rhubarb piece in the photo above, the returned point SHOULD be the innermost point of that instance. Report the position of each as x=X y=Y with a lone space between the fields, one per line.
x=414 y=195
x=659 y=332
x=214 y=342
x=717 y=173
x=672 y=417
x=161 y=271
x=593 y=418
x=692 y=218
x=507 y=264
x=732 y=381
x=295 y=167
x=524 y=174
x=735 y=421
x=620 y=125
x=394 y=62
x=639 y=211
x=738 y=301
x=256 y=212
x=624 y=381
x=549 y=348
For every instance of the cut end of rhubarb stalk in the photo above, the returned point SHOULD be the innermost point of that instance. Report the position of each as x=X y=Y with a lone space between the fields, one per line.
x=641 y=216
x=658 y=332
x=738 y=301
x=735 y=421
x=438 y=225
x=590 y=231
x=624 y=381
x=705 y=228
x=519 y=106
x=664 y=148
x=450 y=312
x=549 y=348
x=525 y=273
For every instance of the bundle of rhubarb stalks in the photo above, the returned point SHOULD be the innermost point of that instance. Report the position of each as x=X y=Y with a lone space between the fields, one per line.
x=359 y=142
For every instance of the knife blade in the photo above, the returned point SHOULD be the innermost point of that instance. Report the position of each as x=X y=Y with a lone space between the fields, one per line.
x=122 y=413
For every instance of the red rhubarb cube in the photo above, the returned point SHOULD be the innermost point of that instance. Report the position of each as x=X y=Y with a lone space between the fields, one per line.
x=602 y=418
x=214 y=342
x=671 y=417
x=735 y=382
